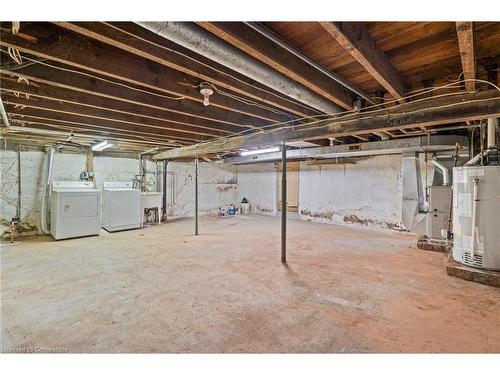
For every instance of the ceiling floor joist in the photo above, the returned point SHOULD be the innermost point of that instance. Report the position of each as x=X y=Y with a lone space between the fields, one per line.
x=465 y=33
x=354 y=38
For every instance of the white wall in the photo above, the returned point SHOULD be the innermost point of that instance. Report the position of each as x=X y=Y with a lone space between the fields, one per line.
x=217 y=187
x=367 y=193
x=66 y=167
x=217 y=184
x=258 y=183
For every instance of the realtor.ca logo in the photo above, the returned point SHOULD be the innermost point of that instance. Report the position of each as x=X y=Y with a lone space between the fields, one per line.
x=33 y=349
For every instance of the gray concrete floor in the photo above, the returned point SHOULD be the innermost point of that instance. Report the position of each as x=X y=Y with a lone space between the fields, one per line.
x=161 y=289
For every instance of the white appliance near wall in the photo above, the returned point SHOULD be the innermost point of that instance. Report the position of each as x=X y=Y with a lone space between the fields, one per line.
x=75 y=209
x=438 y=215
x=121 y=206
x=476 y=206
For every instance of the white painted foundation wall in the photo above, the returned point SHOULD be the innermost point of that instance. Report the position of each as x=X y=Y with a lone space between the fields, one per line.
x=365 y=193
x=66 y=167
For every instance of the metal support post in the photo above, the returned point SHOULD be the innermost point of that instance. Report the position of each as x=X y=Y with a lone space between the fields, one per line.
x=196 y=196
x=283 y=203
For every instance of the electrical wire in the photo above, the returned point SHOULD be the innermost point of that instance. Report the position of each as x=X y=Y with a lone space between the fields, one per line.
x=100 y=78
x=246 y=101
x=277 y=127
x=242 y=99
x=209 y=66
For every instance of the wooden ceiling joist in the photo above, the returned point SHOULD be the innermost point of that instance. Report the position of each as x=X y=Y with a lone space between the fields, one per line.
x=434 y=111
x=263 y=49
x=354 y=38
x=82 y=53
x=143 y=102
x=150 y=46
x=465 y=33
x=24 y=107
x=27 y=122
x=107 y=108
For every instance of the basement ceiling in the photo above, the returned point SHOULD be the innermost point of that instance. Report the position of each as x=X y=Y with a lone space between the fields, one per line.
x=120 y=81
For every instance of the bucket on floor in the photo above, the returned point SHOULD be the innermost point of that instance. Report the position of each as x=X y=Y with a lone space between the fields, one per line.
x=245 y=208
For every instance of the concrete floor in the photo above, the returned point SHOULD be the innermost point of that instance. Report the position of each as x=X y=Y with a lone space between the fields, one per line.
x=162 y=289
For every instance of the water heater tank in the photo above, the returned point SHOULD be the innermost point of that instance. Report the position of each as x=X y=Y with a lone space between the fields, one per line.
x=476 y=212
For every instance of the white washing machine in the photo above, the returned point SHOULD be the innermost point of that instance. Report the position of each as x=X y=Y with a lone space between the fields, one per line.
x=75 y=209
x=121 y=206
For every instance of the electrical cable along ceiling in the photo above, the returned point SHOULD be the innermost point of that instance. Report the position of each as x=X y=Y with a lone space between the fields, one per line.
x=142 y=86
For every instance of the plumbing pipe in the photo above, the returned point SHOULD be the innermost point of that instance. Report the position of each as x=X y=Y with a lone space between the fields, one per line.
x=261 y=29
x=474 y=213
x=5 y=118
x=46 y=189
x=18 y=209
x=492 y=130
x=444 y=171
x=198 y=40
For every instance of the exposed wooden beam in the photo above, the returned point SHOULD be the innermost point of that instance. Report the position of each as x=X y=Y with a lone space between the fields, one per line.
x=434 y=111
x=359 y=43
x=53 y=109
x=29 y=122
x=107 y=108
x=151 y=104
x=139 y=41
x=258 y=46
x=83 y=53
x=465 y=33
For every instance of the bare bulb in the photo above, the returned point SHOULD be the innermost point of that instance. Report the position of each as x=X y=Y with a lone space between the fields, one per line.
x=206 y=90
x=206 y=101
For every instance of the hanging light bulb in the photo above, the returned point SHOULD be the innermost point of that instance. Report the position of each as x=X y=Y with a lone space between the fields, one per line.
x=206 y=90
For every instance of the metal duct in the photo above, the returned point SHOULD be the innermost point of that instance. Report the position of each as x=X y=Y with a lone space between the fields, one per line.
x=413 y=216
x=197 y=39
x=445 y=172
x=434 y=143
x=491 y=143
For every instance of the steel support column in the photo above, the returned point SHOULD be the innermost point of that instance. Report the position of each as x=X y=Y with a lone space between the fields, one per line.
x=283 y=203
x=164 y=183
x=196 y=196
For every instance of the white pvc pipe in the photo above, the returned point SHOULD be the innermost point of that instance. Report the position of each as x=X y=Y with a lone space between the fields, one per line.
x=199 y=40
x=492 y=128
x=444 y=171
x=474 y=213
x=5 y=118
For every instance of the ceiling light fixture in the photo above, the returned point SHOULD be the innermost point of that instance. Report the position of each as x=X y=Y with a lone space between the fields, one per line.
x=101 y=146
x=260 y=151
x=206 y=90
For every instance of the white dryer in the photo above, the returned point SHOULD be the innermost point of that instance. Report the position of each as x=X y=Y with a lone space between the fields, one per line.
x=75 y=209
x=121 y=206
